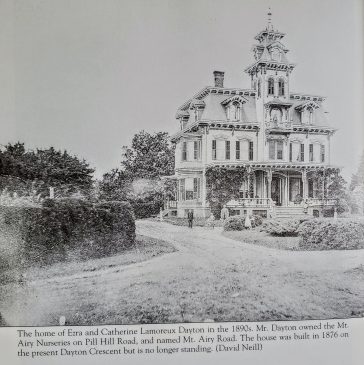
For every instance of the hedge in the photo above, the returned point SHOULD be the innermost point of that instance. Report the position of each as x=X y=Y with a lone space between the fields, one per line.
x=332 y=234
x=52 y=231
x=237 y=223
x=283 y=227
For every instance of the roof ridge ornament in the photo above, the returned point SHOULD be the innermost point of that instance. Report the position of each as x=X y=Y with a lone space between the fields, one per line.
x=269 y=16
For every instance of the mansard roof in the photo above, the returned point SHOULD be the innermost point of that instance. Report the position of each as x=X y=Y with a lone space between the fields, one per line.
x=209 y=96
x=215 y=109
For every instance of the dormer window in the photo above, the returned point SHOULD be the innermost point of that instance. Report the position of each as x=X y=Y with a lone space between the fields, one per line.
x=281 y=87
x=270 y=86
x=233 y=107
x=307 y=112
x=235 y=111
x=310 y=115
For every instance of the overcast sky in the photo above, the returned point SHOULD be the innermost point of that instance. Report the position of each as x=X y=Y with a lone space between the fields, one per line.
x=85 y=75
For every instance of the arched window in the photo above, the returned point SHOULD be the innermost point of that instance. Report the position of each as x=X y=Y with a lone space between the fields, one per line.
x=310 y=115
x=259 y=89
x=270 y=86
x=281 y=87
x=237 y=111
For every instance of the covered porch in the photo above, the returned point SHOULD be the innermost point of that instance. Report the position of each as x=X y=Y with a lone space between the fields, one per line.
x=281 y=191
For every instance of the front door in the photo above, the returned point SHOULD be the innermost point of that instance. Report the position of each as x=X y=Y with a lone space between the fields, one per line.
x=295 y=189
x=276 y=190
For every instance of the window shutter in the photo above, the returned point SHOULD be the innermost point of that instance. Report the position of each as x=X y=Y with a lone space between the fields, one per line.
x=322 y=153
x=227 y=150
x=184 y=151
x=182 y=189
x=196 y=150
x=251 y=151
x=311 y=152
x=214 y=153
x=302 y=152
x=237 y=150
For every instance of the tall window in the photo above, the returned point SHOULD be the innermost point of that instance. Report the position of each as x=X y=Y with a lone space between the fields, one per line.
x=182 y=189
x=259 y=89
x=214 y=151
x=227 y=150
x=290 y=152
x=251 y=151
x=276 y=150
x=237 y=150
x=311 y=152
x=279 y=150
x=272 y=150
x=302 y=152
x=244 y=150
x=184 y=151
x=281 y=87
x=322 y=153
x=310 y=115
x=196 y=188
x=270 y=86
x=197 y=150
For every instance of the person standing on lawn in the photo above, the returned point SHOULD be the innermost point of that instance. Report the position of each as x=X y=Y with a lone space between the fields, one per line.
x=224 y=213
x=190 y=218
x=247 y=223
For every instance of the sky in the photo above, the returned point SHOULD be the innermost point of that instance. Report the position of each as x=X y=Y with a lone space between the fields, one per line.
x=86 y=75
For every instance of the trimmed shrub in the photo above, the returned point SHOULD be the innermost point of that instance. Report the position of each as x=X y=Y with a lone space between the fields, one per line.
x=257 y=220
x=235 y=223
x=332 y=234
x=282 y=227
x=61 y=226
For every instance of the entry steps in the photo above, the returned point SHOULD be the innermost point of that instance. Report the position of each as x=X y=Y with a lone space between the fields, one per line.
x=289 y=212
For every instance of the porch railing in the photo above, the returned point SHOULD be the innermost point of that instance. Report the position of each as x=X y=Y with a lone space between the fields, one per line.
x=317 y=201
x=170 y=204
x=256 y=202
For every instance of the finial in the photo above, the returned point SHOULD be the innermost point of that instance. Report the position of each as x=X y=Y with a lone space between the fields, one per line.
x=270 y=26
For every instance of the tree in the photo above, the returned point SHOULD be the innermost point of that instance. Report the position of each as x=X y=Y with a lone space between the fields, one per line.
x=357 y=189
x=331 y=185
x=150 y=156
x=40 y=169
x=140 y=176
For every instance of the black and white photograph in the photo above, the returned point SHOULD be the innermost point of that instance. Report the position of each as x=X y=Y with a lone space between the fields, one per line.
x=167 y=161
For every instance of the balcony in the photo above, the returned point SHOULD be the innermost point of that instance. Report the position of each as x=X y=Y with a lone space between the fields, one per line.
x=278 y=126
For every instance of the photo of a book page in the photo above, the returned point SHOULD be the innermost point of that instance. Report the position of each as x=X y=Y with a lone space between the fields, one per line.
x=181 y=182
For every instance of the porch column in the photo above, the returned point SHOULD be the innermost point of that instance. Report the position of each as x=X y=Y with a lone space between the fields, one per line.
x=305 y=185
x=203 y=188
x=269 y=179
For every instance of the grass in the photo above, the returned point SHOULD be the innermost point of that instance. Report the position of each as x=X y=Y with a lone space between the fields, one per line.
x=260 y=238
x=145 y=248
x=209 y=278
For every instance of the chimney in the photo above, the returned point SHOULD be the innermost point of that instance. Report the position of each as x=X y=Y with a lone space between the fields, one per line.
x=219 y=78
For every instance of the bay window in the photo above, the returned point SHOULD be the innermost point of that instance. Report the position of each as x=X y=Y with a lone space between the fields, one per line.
x=190 y=188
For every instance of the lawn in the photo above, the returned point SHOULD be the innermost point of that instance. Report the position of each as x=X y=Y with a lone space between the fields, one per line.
x=145 y=248
x=208 y=277
x=257 y=237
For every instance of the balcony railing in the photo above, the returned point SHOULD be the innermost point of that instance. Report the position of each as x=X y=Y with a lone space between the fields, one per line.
x=274 y=124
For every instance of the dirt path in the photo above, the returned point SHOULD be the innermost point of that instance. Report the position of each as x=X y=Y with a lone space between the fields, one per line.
x=210 y=277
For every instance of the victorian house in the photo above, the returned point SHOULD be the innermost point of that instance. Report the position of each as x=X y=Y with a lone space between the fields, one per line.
x=279 y=135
